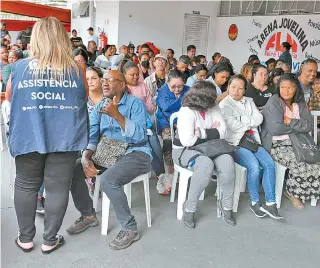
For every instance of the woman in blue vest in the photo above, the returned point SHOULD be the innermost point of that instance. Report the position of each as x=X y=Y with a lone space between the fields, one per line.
x=48 y=127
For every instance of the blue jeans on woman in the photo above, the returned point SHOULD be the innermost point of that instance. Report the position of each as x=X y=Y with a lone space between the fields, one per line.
x=252 y=162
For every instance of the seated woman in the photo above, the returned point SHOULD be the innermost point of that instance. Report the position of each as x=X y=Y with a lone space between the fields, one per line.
x=169 y=101
x=94 y=76
x=104 y=60
x=136 y=88
x=220 y=75
x=286 y=112
x=258 y=90
x=200 y=75
x=80 y=56
x=242 y=118
x=274 y=76
x=201 y=120
x=92 y=51
x=144 y=66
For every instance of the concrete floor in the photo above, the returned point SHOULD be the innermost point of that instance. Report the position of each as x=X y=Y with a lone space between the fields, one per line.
x=264 y=243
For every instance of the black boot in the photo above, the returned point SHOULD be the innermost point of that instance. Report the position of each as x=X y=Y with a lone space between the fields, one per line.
x=188 y=217
x=227 y=215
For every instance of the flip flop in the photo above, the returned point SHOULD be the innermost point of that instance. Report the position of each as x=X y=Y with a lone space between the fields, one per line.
x=296 y=203
x=25 y=250
x=60 y=242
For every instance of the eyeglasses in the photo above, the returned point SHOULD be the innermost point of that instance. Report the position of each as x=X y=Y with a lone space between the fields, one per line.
x=176 y=87
x=109 y=80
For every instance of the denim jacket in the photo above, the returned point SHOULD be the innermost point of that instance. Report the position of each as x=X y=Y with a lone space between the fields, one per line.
x=135 y=113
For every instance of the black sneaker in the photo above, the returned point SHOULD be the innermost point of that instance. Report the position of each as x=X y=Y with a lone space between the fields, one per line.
x=82 y=224
x=188 y=217
x=272 y=211
x=124 y=239
x=257 y=211
x=40 y=206
x=227 y=215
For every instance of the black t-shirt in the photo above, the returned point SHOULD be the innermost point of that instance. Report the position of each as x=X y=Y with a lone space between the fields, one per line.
x=259 y=98
x=75 y=40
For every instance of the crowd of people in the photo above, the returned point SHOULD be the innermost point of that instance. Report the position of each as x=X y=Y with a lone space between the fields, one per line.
x=77 y=112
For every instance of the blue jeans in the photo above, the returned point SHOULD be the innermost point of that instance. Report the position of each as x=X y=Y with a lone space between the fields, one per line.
x=252 y=162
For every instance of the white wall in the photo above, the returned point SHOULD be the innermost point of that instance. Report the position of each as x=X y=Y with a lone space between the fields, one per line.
x=162 y=23
x=81 y=25
x=238 y=51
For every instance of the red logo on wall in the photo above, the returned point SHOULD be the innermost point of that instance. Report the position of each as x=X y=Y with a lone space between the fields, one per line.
x=233 y=32
x=273 y=46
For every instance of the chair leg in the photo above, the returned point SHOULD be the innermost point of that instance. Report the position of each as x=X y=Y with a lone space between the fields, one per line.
x=174 y=186
x=313 y=202
x=218 y=194
x=105 y=214
x=280 y=173
x=147 y=199
x=96 y=193
x=202 y=195
x=127 y=190
x=182 y=193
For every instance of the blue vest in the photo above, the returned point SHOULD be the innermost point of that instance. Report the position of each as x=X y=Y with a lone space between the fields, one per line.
x=46 y=115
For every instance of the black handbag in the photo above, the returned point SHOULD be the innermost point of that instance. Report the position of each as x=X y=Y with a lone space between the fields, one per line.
x=305 y=148
x=249 y=143
x=210 y=148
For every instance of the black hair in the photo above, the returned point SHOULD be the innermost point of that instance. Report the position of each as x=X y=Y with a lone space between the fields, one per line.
x=201 y=96
x=131 y=45
x=143 y=54
x=195 y=60
x=96 y=69
x=3 y=23
x=175 y=74
x=253 y=57
x=215 y=55
x=200 y=67
x=317 y=76
x=190 y=47
x=274 y=73
x=219 y=68
x=83 y=47
x=256 y=67
x=74 y=30
x=81 y=52
x=238 y=76
x=2 y=46
x=185 y=59
x=271 y=60
x=3 y=40
x=145 y=46
x=172 y=51
x=104 y=50
x=199 y=57
x=309 y=60
x=286 y=45
x=298 y=96
x=128 y=65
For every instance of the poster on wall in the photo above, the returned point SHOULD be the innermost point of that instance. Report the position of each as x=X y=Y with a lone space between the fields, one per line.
x=302 y=32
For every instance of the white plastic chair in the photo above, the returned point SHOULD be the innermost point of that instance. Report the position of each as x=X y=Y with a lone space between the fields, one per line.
x=185 y=174
x=315 y=125
x=280 y=174
x=127 y=189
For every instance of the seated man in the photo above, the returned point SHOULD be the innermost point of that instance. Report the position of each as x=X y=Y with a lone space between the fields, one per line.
x=122 y=118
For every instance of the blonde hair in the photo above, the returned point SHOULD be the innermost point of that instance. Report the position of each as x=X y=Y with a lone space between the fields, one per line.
x=51 y=47
x=245 y=69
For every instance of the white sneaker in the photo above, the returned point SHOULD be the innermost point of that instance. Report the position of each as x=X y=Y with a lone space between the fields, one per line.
x=168 y=181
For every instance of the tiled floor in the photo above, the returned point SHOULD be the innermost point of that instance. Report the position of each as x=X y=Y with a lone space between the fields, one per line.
x=290 y=243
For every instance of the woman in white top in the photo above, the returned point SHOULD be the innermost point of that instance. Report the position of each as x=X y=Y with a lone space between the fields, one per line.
x=109 y=61
x=243 y=118
x=200 y=120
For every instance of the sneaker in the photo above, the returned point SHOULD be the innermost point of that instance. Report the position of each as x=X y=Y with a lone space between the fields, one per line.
x=256 y=209
x=188 y=217
x=124 y=239
x=40 y=205
x=161 y=187
x=272 y=211
x=168 y=181
x=82 y=224
x=227 y=215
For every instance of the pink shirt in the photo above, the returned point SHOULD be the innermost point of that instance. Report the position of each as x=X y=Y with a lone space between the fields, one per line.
x=142 y=92
x=293 y=115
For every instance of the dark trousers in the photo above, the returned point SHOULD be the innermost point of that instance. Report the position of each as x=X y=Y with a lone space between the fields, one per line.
x=55 y=171
x=113 y=179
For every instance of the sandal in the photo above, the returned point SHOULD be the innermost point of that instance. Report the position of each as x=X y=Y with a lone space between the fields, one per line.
x=295 y=201
x=25 y=250
x=60 y=242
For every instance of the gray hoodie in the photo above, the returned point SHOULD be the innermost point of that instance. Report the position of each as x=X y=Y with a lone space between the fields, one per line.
x=273 y=124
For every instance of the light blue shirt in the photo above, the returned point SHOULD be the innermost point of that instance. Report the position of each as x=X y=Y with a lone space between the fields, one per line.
x=94 y=38
x=135 y=133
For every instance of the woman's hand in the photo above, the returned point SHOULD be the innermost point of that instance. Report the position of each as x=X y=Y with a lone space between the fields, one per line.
x=287 y=120
x=216 y=124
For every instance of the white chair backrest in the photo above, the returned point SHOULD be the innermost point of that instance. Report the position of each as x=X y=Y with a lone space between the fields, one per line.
x=172 y=118
x=315 y=125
